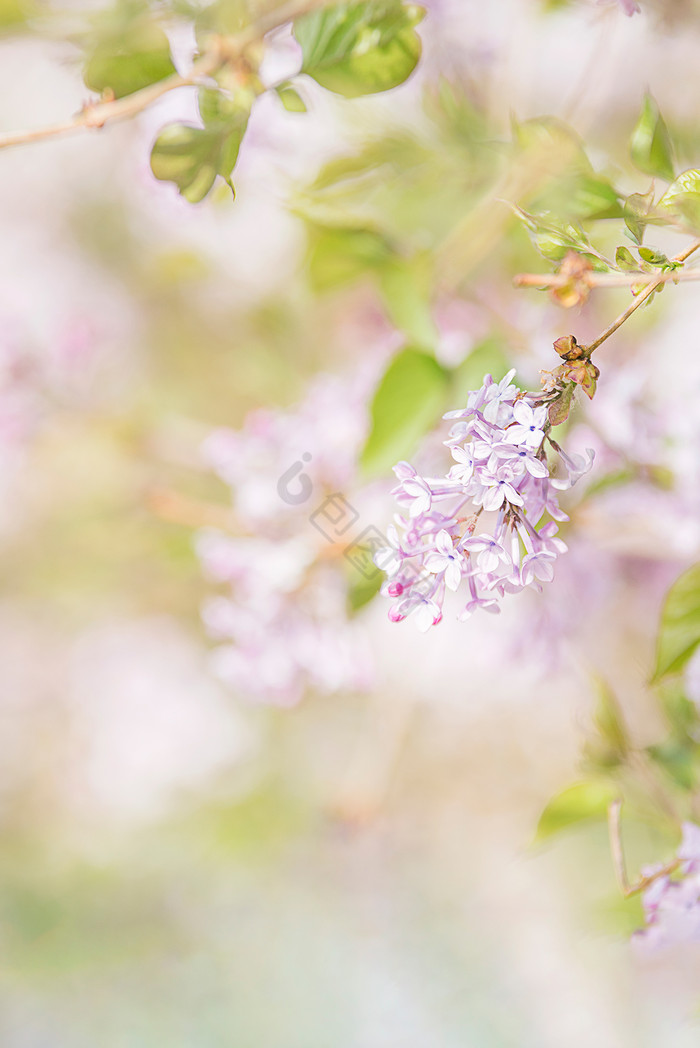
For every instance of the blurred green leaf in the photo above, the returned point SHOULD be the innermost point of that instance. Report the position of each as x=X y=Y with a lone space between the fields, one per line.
x=679 y=629
x=406 y=284
x=680 y=712
x=362 y=590
x=637 y=209
x=14 y=14
x=407 y=403
x=650 y=145
x=678 y=758
x=192 y=157
x=131 y=55
x=578 y=803
x=682 y=198
x=360 y=48
x=341 y=255
x=291 y=99
x=556 y=145
x=609 y=721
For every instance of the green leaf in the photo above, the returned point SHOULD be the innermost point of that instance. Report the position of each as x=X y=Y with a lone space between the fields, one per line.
x=291 y=99
x=362 y=589
x=650 y=145
x=578 y=803
x=594 y=198
x=655 y=258
x=679 y=629
x=405 y=284
x=341 y=255
x=636 y=213
x=681 y=714
x=678 y=759
x=192 y=157
x=408 y=402
x=128 y=58
x=360 y=48
x=555 y=143
x=682 y=198
x=626 y=260
x=609 y=721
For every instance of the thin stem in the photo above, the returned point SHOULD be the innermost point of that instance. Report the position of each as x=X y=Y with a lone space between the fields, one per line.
x=641 y=298
x=97 y=114
x=616 y=850
x=557 y=280
x=618 y=857
x=223 y=50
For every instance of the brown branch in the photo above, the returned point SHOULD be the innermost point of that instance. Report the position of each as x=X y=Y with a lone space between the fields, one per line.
x=640 y=299
x=223 y=50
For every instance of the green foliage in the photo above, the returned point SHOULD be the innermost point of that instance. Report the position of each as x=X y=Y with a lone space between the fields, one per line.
x=650 y=145
x=637 y=212
x=612 y=744
x=405 y=285
x=680 y=712
x=129 y=50
x=682 y=199
x=625 y=260
x=554 y=241
x=582 y=802
x=361 y=590
x=678 y=759
x=343 y=254
x=14 y=14
x=679 y=629
x=291 y=99
x=360 y=48
x=192 y=157
x=405 y=406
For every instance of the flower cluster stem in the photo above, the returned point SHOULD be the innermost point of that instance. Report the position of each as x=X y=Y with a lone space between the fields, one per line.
x=639 y=300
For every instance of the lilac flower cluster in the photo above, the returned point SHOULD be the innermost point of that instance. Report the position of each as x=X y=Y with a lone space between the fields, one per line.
x=500 y=469
x=280 y=619
x=672 y=903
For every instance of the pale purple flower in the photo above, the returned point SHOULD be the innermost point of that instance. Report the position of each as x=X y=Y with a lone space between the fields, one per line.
x=672 y=902
x=389 y=558
x=511 y=453
x=539 y=566
x=576 y=466
x=499 y=395
x=528 y=428
x=446 y=560
x=415 y=495
x=489 y=552
x=496 y=491
x=464 y=469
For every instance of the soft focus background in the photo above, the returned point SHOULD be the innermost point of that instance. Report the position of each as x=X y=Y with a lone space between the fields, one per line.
x=183 y=864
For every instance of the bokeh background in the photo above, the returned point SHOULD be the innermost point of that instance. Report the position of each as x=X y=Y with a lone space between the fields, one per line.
x=181 y=863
